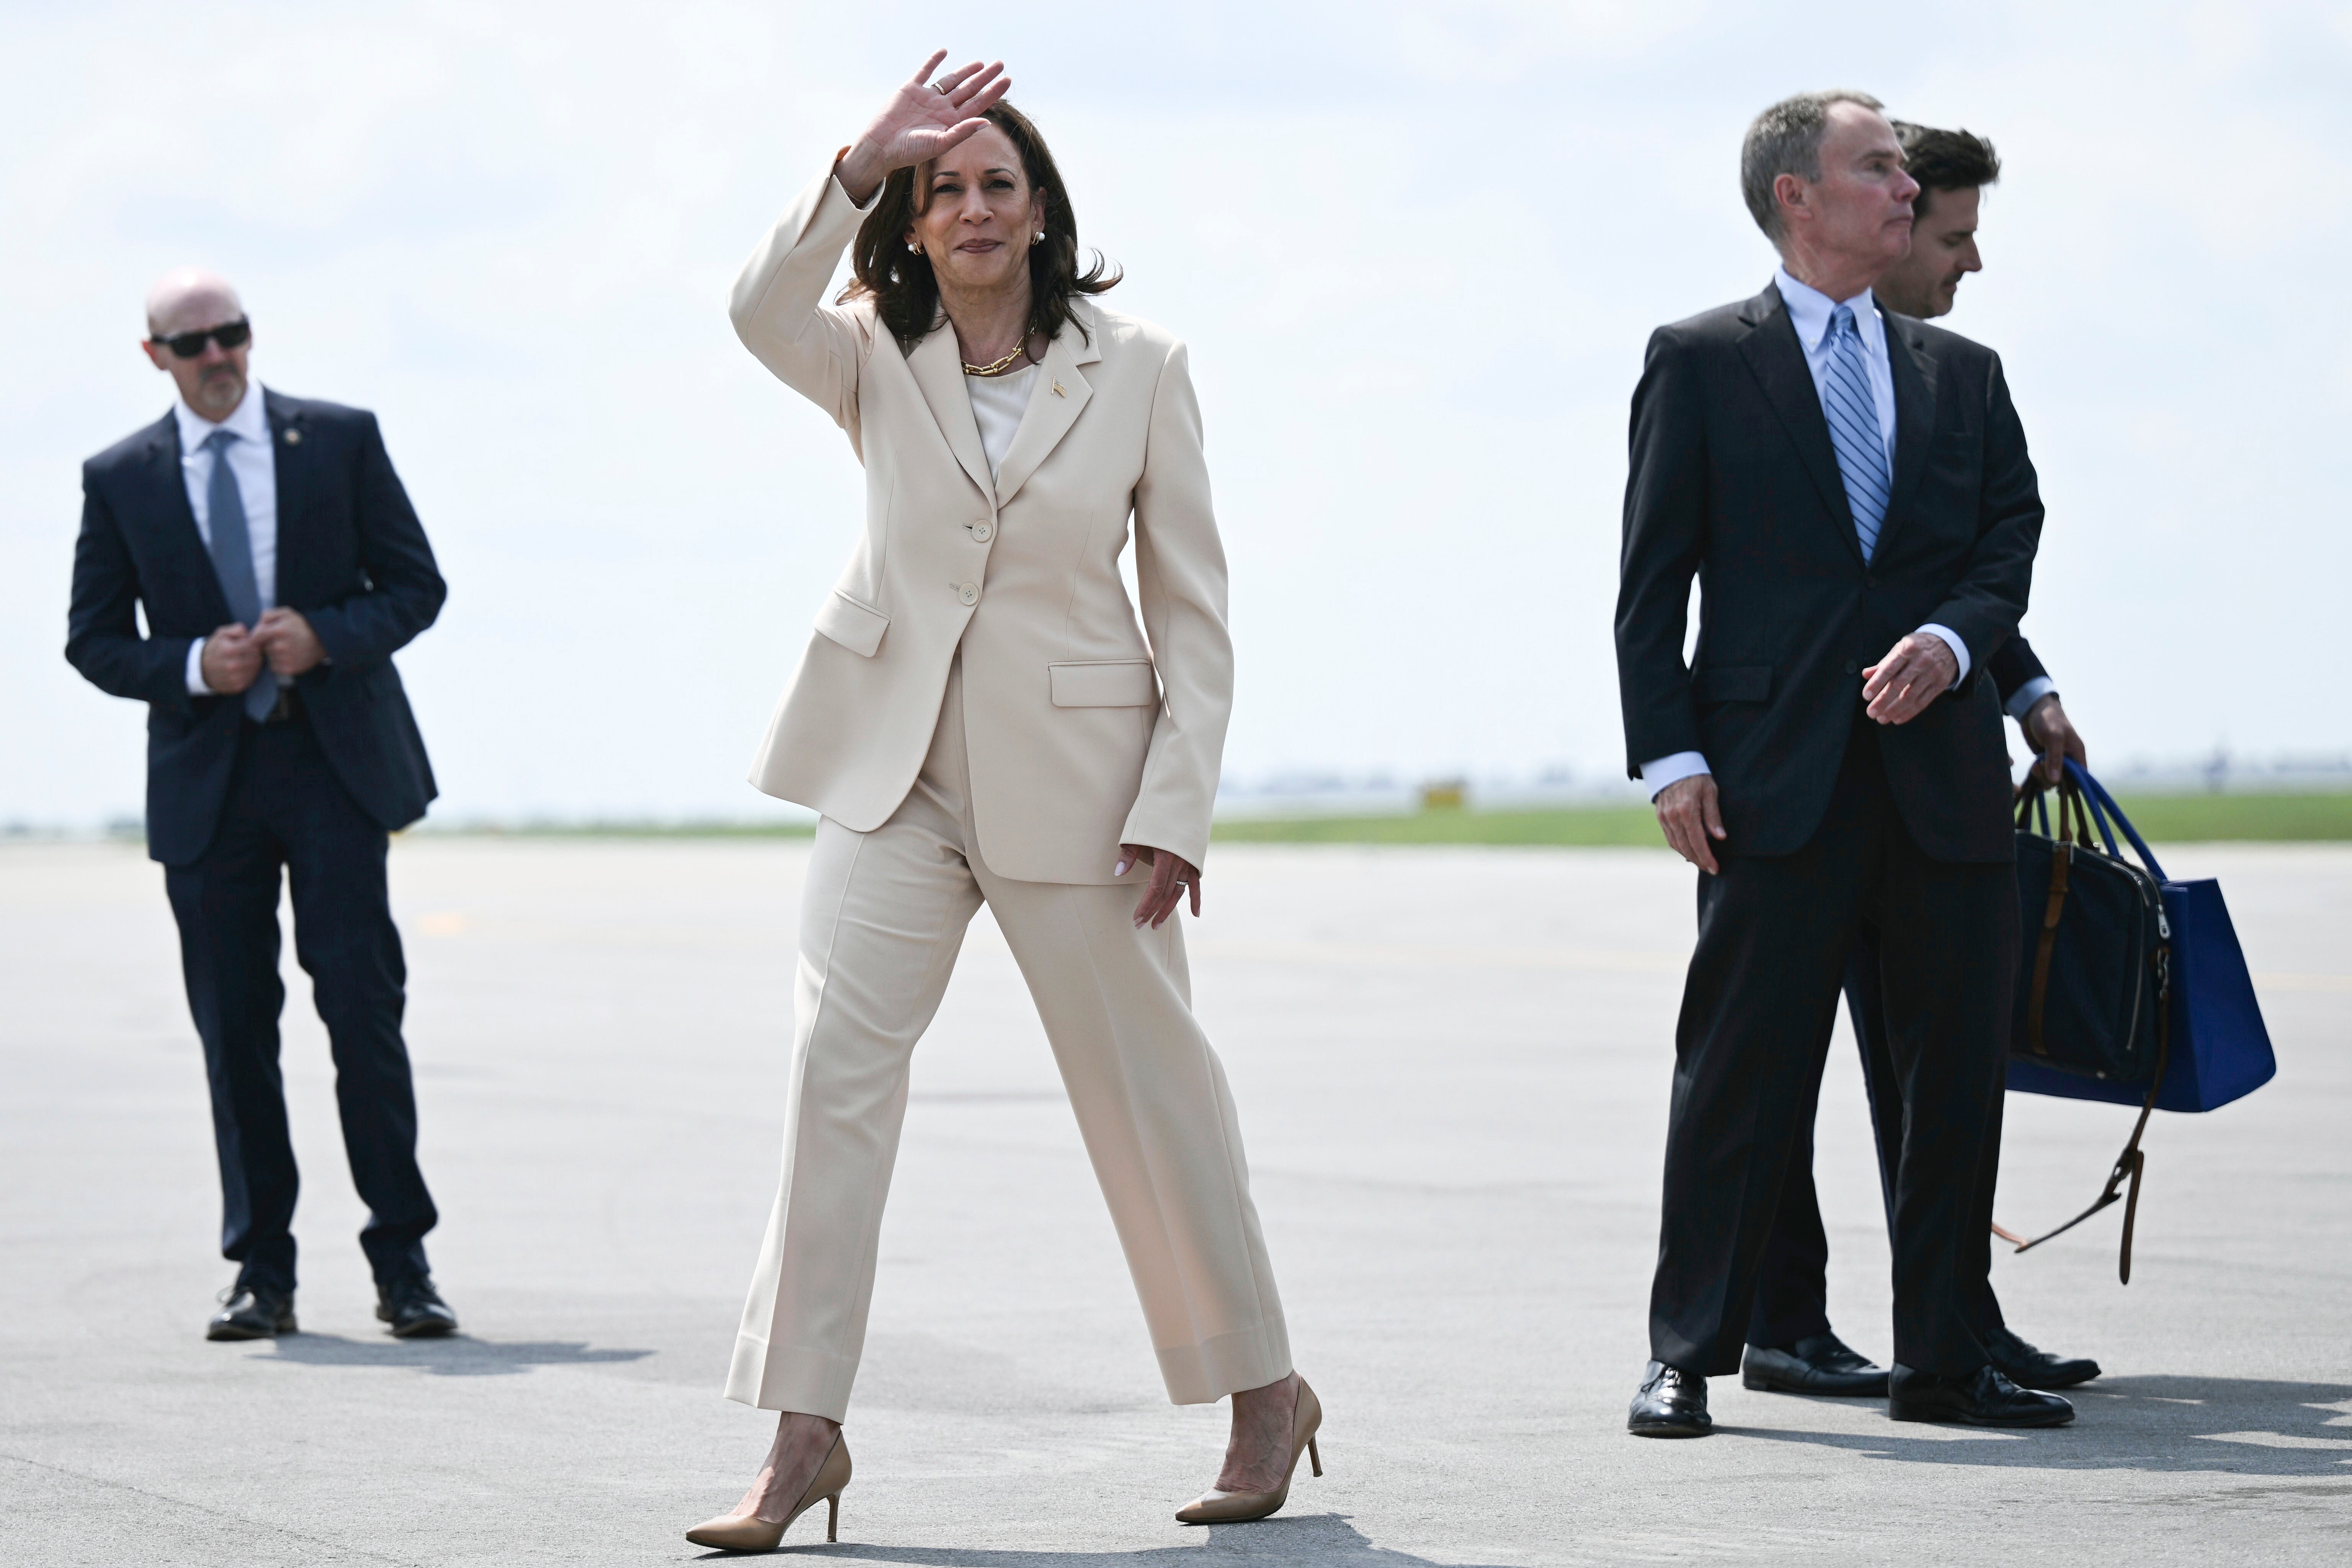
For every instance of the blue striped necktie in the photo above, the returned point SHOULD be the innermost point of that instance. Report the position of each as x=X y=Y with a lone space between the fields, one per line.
x=1853 y=429
x=231 y=551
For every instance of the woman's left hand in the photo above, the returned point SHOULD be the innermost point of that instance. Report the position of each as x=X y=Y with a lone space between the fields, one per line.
x=1170 y=875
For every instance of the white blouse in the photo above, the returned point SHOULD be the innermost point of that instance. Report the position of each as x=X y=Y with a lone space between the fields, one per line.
x=998 y=402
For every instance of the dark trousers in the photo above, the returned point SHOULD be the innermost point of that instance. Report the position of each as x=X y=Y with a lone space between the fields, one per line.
x=1775 y=933
x=1792 y=1295
x=285 y=810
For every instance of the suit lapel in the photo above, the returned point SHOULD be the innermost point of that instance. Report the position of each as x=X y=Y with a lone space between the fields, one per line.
x=290 y=462
x=939 y=371
x=1778 y=361
x=1913 y=369
x=1056 y=399
x=175 y=518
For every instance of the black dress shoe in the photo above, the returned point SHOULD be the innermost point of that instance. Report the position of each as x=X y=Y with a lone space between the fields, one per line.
x=413 y=1308
x=1671 y=1403
x=1981 y=1398
x=1818 y=1363
x=2029 y=1367
x=252 y=1312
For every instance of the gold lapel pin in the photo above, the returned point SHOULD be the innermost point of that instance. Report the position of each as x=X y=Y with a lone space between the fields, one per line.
x=293 y=437
x=1058 y=391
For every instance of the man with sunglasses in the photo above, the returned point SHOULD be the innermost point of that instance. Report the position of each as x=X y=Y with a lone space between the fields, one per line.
x=279 y=566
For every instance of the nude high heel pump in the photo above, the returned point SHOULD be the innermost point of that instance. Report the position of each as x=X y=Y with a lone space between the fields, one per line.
x=749 y=1533
x=1214 y=1506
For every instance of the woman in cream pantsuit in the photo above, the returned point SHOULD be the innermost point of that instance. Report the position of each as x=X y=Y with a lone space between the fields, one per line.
x=980 y=718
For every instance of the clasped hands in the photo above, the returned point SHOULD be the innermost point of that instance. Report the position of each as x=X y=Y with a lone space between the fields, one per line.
x=1898 y=687
x=233 y=656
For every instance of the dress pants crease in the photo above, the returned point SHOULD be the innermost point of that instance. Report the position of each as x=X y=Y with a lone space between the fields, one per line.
x=1776 y=934
x=285 y=815
x=883 y=917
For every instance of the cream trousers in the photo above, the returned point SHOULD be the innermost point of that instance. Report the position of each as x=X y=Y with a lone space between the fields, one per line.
x=882 y=919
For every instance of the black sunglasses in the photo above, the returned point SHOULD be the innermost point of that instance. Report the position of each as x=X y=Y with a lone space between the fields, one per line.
x=228 y=334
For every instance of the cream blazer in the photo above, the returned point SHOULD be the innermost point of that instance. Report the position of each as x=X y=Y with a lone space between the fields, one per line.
x=1085 y=729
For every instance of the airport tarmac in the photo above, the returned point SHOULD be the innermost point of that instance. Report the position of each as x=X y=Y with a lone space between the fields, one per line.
x=1452 y=1067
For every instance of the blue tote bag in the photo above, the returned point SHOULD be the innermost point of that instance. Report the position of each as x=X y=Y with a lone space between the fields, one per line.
x=2213 y=1047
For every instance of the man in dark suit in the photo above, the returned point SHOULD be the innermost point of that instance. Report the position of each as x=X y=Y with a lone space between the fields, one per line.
x=1792 y=1348
x=1854 y=494
x=279 y=566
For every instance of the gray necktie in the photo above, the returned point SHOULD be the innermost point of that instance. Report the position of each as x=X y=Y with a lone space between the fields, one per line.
x=232 y=548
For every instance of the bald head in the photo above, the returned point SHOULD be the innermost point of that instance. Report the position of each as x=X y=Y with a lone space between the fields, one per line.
x=188 y=299
x=211 y=381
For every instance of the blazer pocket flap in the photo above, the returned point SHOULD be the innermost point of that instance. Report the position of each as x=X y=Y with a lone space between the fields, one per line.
x=856 y=626
x=1733 y=683
x=1115 y=683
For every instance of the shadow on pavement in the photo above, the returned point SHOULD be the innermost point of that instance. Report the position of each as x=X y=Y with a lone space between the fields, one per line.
x=460 y=1355
x=1314 y=1539
x=2226 y=1425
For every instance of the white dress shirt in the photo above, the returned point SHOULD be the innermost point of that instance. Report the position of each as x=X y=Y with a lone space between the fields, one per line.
x=255 y=465
x=1810 y=310
x=998 y=402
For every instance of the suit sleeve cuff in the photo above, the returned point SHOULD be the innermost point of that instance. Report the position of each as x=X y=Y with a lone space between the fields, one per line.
x=196 y=687
x=1665 y=770
x=1959 y=651
x=2021 y=700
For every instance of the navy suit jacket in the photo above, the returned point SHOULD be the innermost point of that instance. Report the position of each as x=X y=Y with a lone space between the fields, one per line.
x=1734 y=478
x=2012 y=665
x=351 y=557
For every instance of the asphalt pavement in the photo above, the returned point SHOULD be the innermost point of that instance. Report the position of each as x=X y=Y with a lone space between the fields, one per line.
x=1452 y=1067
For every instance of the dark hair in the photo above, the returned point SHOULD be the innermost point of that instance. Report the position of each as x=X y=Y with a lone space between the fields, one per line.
x=1946 y=160
x=905 y=292
x=1786 y=139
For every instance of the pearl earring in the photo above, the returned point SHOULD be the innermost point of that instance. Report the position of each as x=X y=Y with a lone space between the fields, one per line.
x=914 y=249
x=1038 y=238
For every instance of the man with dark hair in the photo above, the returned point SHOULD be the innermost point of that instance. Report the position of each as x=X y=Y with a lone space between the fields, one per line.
x=1792 y=1348
x=1851 y=592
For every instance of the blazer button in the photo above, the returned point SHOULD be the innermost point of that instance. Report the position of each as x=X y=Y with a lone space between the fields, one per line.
x=968 y=594
x=983 y=532
x=1850 y=667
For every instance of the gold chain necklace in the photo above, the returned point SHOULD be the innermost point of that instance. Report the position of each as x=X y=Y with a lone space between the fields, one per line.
x=998 y=367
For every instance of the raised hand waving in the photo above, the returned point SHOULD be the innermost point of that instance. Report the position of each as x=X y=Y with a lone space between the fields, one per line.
x=923 y=119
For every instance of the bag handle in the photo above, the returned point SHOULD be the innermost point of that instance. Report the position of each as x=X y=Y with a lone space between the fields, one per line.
x=2096 y=794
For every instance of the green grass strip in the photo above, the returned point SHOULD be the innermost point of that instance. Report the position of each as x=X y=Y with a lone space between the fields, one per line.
x=2166 y=818
x=2163 y=818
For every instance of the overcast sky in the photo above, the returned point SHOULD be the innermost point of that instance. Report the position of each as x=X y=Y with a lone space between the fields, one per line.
x=1416 y=250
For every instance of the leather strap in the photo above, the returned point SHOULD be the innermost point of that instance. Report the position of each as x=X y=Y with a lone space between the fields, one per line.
x=2132 y=1161
x=2062 y=860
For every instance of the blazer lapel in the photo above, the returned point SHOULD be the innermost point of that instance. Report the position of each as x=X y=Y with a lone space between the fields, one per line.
x=1778 y=361
x=1055 y=400
x=290 y=464
x=1914 y=368
x=939 y=371
x=175 y=518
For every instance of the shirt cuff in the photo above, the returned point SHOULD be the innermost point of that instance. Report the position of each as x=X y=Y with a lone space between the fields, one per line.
x=1672 y=770
x=196 y=687
x=2021 y=700
x=1959 y=651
